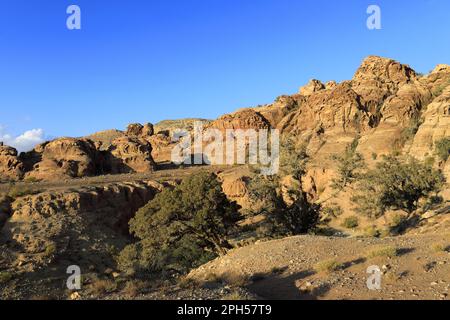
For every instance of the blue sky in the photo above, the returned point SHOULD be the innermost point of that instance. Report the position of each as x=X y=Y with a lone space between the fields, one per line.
x=148 y=60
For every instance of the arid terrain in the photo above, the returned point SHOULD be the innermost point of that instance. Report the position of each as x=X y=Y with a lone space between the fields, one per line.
x=69 y=201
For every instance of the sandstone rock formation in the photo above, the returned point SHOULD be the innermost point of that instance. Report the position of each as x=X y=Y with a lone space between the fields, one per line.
x=65 y=158
x=11 y=168
x=436 y=125
x=76 y=224
x=246 y=119
x=138 y=130
x=313 y=86
x=130 y=154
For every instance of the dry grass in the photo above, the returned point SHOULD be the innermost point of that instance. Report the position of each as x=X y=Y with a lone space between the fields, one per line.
x=440 y=247
x=387 y=251
x=328 y=266
x=100 y=287
x=134 y=288
x=372 y=232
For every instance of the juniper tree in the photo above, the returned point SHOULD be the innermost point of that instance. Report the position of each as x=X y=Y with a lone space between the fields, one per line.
x=285 y=218
x=398 y=185
x=182 y=227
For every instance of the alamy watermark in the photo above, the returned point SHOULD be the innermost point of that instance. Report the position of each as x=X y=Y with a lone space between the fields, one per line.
x=374 y=279
x=374 y=20
x=228 y=147
x=74 y=280
x=73 y=22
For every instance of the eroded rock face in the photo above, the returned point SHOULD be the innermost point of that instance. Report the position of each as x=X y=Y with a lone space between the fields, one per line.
x=377 y=78
x=436 y=126
x=11 y=167
x=313 y=86
x=80 y=224
x=65 y=158
x=130 y=154
x=339 y=107
x=139 y=130
x=247 y=119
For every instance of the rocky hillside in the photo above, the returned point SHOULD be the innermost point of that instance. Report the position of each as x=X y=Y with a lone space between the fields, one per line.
x=69 y=201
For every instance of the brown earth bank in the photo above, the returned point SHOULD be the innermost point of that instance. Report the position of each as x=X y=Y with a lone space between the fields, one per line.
x=68 y=201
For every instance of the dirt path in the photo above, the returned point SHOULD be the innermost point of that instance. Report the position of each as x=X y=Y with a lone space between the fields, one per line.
x=286 y=269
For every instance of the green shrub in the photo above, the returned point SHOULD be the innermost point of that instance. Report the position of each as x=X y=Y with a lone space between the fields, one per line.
x=349 y=165
x=442 y=149
x=351 y=222
x=372 y=231
x=5 y=277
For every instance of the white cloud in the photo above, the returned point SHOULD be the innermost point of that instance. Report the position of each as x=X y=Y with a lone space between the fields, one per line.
x=24 y=142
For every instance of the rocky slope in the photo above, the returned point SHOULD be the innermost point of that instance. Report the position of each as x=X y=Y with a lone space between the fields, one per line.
x=290 y=268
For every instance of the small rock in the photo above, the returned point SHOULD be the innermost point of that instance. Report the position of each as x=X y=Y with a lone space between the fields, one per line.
x=75 y=296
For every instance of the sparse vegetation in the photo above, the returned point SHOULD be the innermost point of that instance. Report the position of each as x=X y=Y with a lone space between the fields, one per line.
x=102 y=286
x=328 y=266
x=388 y=252
x=442 y=149
x=349 y=165
x=408 y=133
x=17 y=191
x=50 y=250
x=285 y=206
x=351 y=222
x=372 y=232
x=440 y=247
x=5 y=277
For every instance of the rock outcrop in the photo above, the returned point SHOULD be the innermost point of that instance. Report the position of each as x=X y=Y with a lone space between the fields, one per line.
x=313 y=86
x=77 y=224
x=130 y=154
x=65 y=158
x=139 y=130
x=246 y=119
x=436 y=126
x=11 y=167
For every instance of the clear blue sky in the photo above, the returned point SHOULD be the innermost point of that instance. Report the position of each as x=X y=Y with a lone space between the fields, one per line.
x=148 y=60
